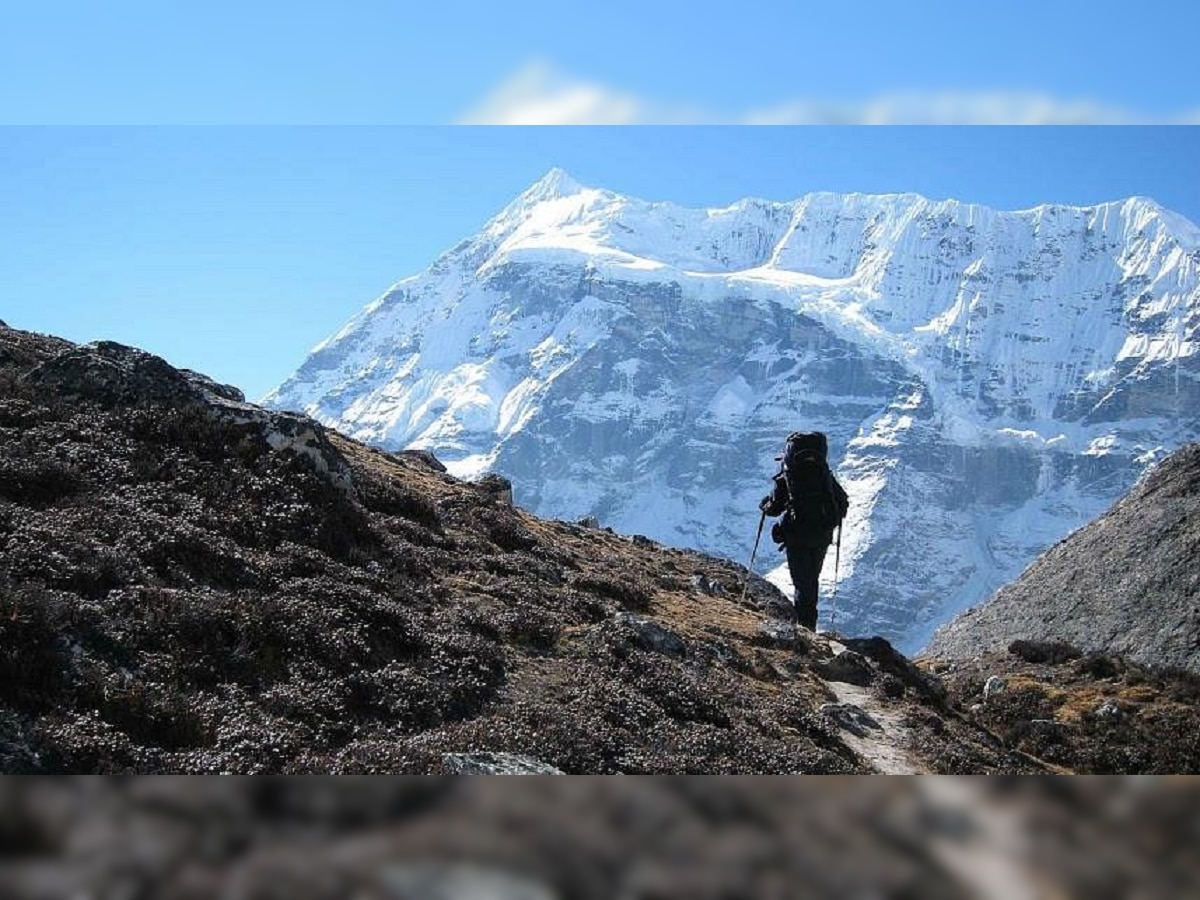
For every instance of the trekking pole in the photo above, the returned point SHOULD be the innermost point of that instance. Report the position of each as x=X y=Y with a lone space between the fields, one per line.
x=837 y=560
x=753 y=553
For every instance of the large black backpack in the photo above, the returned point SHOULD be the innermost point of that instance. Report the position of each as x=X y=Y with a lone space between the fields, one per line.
x=812 y=507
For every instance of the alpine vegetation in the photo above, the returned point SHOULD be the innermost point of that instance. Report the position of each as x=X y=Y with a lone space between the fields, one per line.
x=989 y=381
x=190 y=583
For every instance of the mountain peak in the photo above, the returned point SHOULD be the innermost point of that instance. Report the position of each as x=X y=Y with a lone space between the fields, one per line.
x=1178 y=227
x=1142 y=201
x=554 y=184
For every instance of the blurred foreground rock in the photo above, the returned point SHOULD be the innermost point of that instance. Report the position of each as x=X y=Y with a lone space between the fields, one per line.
x=597 y=838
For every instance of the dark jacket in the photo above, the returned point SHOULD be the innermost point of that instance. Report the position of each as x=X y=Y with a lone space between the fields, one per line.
x=785 y=531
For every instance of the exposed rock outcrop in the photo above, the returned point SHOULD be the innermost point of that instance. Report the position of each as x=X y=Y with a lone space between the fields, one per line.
x=114 y=375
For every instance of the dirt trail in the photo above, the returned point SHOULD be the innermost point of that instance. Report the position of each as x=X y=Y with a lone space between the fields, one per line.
x=885 y=747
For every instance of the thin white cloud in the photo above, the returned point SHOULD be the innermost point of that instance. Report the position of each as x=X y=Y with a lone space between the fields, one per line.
x=540 y=94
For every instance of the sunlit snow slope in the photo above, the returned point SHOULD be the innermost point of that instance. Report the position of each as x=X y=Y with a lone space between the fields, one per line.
x=989 y=380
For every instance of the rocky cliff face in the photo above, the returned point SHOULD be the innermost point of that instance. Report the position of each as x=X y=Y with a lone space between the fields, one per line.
x=989 y=380
x=1127 y=583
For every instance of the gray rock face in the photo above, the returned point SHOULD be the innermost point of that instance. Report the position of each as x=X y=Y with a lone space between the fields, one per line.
x=989 y=381
x=1128 y=583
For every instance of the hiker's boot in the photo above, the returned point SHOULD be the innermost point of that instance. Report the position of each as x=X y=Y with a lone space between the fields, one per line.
x=806 y=617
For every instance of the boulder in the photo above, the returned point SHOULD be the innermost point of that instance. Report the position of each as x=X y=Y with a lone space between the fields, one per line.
x=848 y=666
x=498 y=487
x=850 y=718
x=496 y=764
x=994 y=686
x=651 y=635
x=781 y=633
x=705 y=585
x=1109 y=711
x=424 y=458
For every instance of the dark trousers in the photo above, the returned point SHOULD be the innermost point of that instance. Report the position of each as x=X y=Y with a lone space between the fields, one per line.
x=804 y=564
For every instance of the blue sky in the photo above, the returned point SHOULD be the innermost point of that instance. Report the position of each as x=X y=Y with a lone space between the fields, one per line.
x=234 y=250
x=377 y=62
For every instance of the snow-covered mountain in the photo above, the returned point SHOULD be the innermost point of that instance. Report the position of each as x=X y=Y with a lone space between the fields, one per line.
x=989 y=380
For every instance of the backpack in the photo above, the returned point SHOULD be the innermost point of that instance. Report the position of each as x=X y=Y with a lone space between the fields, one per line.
x=812 y=506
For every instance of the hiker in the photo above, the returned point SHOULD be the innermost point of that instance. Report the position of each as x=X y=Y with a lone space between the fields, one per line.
x=813 y=504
